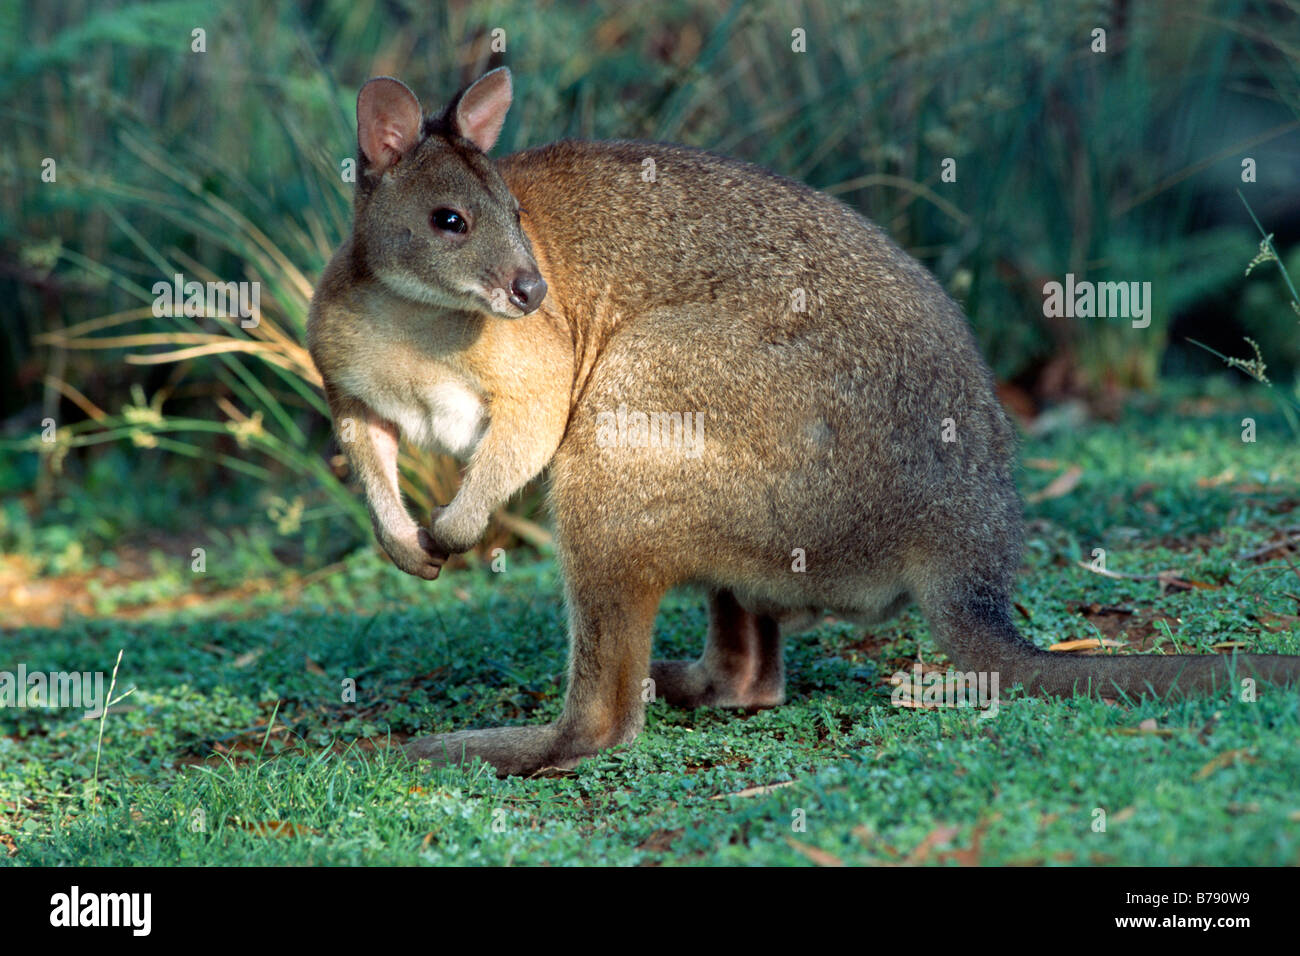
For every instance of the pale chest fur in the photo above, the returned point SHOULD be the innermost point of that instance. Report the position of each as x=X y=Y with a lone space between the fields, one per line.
x=432 y=406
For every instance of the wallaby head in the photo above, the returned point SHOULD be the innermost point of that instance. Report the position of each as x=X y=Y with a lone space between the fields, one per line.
x=434 y=220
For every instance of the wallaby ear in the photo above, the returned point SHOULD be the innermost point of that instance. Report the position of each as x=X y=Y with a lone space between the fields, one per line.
x=481 y=109
x=388 y=121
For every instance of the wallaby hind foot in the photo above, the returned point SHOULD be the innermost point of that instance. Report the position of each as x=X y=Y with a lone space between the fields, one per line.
x=510 y=750
x=611 y=622
x=741 y=666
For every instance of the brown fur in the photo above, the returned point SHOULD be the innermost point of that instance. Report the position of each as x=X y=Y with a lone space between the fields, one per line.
x=822 y=428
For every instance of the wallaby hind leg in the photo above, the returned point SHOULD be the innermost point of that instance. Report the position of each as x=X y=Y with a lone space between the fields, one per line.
x=610 y=627
x=742 y=664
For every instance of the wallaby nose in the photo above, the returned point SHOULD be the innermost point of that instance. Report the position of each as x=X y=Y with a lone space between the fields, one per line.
x=527 y=290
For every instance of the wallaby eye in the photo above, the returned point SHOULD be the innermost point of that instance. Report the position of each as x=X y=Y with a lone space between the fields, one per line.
x=448 y=220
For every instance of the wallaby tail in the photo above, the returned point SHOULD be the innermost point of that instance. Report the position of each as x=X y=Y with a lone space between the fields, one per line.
x=973 y=627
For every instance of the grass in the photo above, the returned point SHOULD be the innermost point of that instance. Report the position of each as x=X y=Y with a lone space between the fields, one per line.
x=237 y=746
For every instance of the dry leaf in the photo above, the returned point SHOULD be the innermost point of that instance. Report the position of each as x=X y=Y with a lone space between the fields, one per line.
x=915 y=704
x=1086 y=643
x=1225 y=759
x=1122 y=815
x=1173 y=580
x=935 y=838
x=820 y=857
x=1222 y=478
x=661 y=841
x=971 y=855
x=871 y=839
x=754 y=791
x=278 y=828
x=1059 y=487
x=243 y=660
x=1284 y=622
x=1144 y=732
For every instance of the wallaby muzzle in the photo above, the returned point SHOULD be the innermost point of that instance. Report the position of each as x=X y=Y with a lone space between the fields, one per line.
x=527 y=290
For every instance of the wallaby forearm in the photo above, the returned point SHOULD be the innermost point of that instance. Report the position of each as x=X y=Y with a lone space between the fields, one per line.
x=371 y=445
x=516 y=447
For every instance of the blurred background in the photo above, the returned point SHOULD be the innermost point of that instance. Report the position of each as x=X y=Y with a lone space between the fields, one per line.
x=218 y=154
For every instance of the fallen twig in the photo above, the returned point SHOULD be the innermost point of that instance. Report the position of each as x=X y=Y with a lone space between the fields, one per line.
x=1167 y=579
x=1291 y=542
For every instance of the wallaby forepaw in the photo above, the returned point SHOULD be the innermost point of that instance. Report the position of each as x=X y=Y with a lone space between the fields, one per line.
x=415 y=553
x=455 y=531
